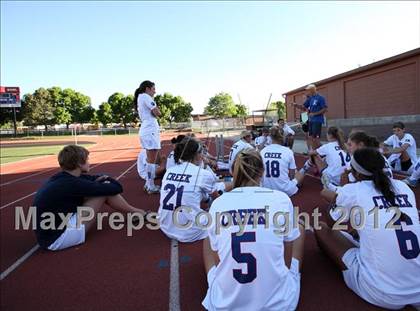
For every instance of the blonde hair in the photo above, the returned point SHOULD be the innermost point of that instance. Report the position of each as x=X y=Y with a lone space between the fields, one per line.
x=248 y=168
x=277 y=134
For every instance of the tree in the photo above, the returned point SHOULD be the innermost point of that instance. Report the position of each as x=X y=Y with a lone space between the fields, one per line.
x=38 y=108
x=280 y=107
x=122 y=108
x=173 y=108
x=104 y=114
x=221 y=105
x=241 y=110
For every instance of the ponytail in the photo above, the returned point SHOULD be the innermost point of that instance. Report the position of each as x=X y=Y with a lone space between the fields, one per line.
x=277 y=134
x=248 y=168
x=186 y=149
x=140 y=90
x=372 y=161
x=338 y=135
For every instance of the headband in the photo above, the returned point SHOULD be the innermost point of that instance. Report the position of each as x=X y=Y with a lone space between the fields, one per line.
x=358 y=168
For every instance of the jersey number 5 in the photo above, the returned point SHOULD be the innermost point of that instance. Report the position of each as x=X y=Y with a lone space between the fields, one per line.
x=247 y=258
x=172 y=189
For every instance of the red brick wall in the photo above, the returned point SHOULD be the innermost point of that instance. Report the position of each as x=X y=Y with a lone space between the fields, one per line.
x=392 y=89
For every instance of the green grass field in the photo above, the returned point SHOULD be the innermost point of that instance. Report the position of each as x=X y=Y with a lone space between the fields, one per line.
x=12 y=154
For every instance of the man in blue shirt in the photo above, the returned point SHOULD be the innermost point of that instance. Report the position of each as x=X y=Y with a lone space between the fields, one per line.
x=316 y=106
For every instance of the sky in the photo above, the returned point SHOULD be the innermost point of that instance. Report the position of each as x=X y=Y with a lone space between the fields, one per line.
x=197 y=49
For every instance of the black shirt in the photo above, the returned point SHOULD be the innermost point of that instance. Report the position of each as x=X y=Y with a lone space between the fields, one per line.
x=63 y=193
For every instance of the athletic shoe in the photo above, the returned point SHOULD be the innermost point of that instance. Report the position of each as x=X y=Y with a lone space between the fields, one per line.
x=410 y=182
x=153 y=190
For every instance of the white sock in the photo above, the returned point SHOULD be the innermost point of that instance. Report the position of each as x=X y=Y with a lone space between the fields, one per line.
x=151 y=172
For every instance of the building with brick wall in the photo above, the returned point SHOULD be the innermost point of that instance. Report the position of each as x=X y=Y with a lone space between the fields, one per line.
x=371 y=97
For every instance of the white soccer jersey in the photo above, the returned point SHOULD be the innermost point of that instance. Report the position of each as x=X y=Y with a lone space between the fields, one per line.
x=252 y=274
x=145 y=105
x=170 y=160
x=262 y=141
x=141 y=164
x=185 y=184
x=395 y=142
x=389 y=258
x=337 y=160
x=277 y=161
x=236 y=148
x=287 y=130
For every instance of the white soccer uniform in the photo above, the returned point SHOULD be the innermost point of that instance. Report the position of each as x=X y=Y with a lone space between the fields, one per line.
x=149 y=130
x=236 y=148
x=287 y=130
x=385 y=269
x=337 y=160
x=395 y=142
x=252 y=274
x=185 y=184
x=170 y=160
x=415 y=175
x=277 y=161
x=141 y=164
x=262 y=141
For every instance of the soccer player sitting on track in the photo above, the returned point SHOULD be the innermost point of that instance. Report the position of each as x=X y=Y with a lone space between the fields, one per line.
x=149 y=131
x=258 y=269
x=243 y=143
x=414 y=179
x=332 y=158
x=72 y=188
x=383 y=268
x=356 y=140
x=288 y=133
x=263 y=140
x=185 y=184
x=403 y=148
x=142 y=166
x=280 y=166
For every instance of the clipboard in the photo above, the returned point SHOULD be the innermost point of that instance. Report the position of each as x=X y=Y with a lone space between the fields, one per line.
x=304 y=117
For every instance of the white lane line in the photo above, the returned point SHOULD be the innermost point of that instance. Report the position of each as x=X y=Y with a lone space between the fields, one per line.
x=34 y=174
x=27 y=196
x=174 y=293
x=18 y=262
x=28 y=254
x=22 y=198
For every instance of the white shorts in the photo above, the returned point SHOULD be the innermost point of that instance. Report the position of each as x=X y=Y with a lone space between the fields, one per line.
x=289 y=304
x=150 y=140
x=351 y=277
x=70 y=237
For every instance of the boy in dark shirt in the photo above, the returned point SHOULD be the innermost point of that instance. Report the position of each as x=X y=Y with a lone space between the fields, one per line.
x=69 y=189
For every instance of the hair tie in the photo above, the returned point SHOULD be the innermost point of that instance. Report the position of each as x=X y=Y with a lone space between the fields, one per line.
x=358 y=168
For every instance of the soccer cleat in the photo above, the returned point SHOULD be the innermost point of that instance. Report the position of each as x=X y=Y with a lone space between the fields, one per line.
x=410 y=182
x=153 y=190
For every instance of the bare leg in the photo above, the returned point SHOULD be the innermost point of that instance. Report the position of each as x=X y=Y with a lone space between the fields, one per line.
x=329 y=195
x=116 y=202
x=333 y=243
x=319 y=162
x=210 y=257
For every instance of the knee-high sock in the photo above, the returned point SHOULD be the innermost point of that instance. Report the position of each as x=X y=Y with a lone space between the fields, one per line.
x=151 y=174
